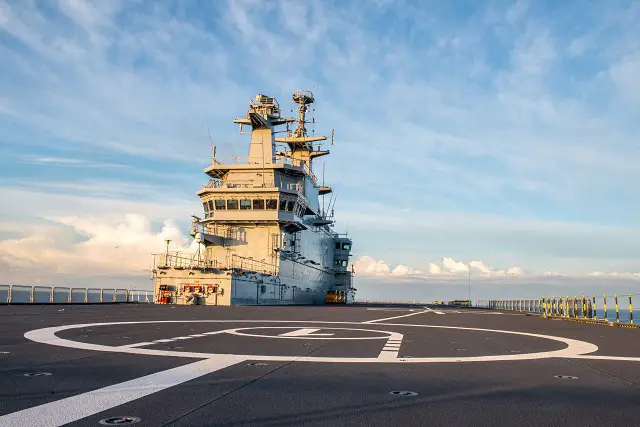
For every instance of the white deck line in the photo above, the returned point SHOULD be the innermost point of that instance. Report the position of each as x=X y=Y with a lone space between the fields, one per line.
x=139 y=344
x=304 y=332
x=70 y=409
x=395 y=317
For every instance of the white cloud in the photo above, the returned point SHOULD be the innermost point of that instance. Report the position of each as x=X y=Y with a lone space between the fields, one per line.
x=454 y=267
x=515 y=271
x=90 y=246
x=404 y=270
x=625 y=75
x=517 y=11
x=368 y=266
x=435 y=269
x=615 y=274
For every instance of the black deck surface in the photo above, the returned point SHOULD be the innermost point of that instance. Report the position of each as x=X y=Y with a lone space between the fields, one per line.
x=345 y=384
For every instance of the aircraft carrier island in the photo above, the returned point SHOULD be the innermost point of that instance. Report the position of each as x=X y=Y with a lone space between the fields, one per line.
x=264 y=236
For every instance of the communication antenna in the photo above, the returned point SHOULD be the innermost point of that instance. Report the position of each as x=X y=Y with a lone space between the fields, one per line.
x=213 y=147
x=334 y=202
x=335 y=192
x=323 y=213
x=332 y=132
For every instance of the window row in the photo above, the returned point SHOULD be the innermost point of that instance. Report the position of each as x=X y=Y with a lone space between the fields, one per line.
x=255 y=204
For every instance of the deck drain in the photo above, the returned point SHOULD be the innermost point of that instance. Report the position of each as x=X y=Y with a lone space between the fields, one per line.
x=38 y=374
x=565 y=377
x=118 y=421
x=175 y=347
x=403 y=393
x=515 y=351
x=257 y=364
x=461 y=349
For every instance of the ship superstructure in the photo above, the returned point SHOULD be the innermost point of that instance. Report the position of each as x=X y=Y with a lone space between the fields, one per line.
x=263 y=236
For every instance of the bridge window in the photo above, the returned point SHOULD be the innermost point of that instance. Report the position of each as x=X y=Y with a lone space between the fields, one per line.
x=346 y=246
x=258 y=204
x=283 y=205
x=219 y=205
x=245 y=204
x=232 y=204
x=337 y=245
x=290 y=205
x=205 y=205
x=272 y=204
x=210 y=205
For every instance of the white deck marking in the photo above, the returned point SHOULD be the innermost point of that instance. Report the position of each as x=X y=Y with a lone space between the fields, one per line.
x=573 y=347
x=391 y=348
x=74 y=408
x=434 y=311
x=307 y=335
x=304 y=332
x=144 y=344
x=618 y=358
x=139 y=344
x=395 y=317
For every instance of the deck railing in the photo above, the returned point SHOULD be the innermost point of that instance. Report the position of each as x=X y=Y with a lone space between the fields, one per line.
x=189 y=261
x=278 y=160
x=184 y=261
x=249 y=264
x=26 y=294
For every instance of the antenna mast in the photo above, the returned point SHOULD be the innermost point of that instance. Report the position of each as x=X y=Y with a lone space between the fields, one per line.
x=213 y=147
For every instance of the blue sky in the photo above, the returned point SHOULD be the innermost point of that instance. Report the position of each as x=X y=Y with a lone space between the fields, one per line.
x=501 y=132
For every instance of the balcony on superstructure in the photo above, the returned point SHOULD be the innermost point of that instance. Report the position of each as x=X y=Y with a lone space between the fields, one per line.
x=220 y=167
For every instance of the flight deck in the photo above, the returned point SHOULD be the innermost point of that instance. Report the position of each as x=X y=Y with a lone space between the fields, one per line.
x=164 y=365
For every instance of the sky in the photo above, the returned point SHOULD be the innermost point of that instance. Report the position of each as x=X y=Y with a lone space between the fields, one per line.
x=500 y=136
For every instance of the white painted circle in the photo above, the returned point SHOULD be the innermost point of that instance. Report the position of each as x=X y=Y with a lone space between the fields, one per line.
x=575 y=348
x=386 y=334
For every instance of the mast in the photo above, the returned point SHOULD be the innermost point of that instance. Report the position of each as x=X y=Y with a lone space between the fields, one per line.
x=300 y=144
